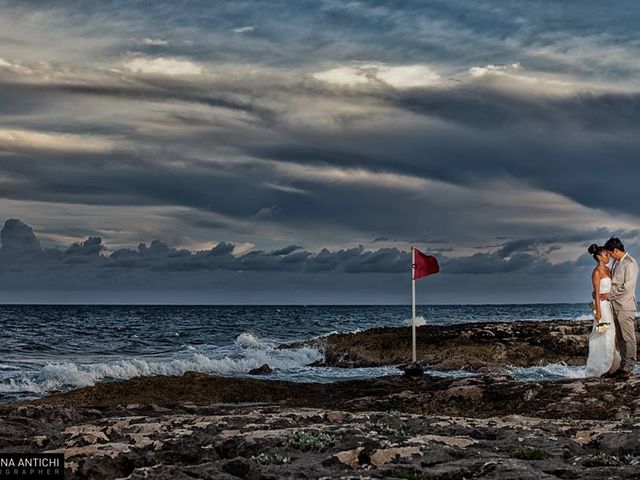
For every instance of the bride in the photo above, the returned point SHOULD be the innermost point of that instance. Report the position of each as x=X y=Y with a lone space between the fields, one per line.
x=603 y=357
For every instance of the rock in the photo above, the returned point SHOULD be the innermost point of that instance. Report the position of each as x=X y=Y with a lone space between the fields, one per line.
x=89 y=434
x=623 y=412
x=451 y=347
x=364 y=439
x=619 y=443
x=159 y=409
x=485 y=426
x=464 y=382
x=461 y=442
x=238 y=467
x=387 y=455
x=335 y=416
x=112 y=450
x=530 y=394
x=413 y=370
x=140 y=440
x=585 y=437
x=263 y=370
x=480 y=396
x=466 y=394
x=350 y=457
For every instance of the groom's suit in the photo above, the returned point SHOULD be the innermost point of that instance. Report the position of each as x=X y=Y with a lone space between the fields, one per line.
x=624 y=305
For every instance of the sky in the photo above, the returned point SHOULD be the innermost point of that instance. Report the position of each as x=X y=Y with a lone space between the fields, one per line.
x=190 y=151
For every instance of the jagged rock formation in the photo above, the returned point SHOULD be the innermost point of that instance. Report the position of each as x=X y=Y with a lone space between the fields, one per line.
x=473 y=346
x=430 y=428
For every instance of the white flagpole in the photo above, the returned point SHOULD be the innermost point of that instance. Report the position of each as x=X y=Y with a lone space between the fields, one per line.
x=413 y=305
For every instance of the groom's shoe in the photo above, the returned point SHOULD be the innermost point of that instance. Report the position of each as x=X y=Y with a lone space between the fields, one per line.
x=609 y=374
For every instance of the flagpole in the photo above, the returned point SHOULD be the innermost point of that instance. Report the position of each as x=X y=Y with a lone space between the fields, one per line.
x=413 y=305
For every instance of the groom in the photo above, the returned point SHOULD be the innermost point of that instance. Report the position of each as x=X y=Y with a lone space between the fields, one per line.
x=623 y=303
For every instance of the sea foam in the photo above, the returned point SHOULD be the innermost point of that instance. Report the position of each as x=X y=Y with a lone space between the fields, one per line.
x=250 y=352
x=420 y=321
x=551 y=371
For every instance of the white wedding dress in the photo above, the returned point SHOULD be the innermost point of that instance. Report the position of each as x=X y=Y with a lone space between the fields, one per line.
x=603 y=355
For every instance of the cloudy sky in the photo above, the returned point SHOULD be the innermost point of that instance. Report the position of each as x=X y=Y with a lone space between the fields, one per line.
x=292 y=152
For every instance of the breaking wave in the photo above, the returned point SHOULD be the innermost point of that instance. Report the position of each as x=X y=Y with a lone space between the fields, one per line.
x=249 y=351
x=420 y=321
x=552 y=371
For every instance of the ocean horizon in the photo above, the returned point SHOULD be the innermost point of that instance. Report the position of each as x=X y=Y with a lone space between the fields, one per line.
x=342 y=304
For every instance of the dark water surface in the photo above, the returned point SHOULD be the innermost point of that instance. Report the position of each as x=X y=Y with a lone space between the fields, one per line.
x=46 y=348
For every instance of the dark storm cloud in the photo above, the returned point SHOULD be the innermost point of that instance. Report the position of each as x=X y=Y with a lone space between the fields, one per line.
x=454 y=155
x=492 y=133
x=512 y=126
x=287 y=275
x=163 y=91
x=485 y=108
x=160 y=256
x=222 y=248
x=91 y=247
x=496 y=263
x=286 y=250
x=598 y=236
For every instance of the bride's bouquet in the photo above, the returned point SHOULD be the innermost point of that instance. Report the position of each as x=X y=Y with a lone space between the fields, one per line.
x=601 y=327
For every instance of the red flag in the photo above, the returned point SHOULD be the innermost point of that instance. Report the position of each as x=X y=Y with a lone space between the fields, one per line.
x=424 y=265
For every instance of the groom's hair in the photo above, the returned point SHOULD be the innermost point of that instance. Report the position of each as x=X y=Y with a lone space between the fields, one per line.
x=614 y=243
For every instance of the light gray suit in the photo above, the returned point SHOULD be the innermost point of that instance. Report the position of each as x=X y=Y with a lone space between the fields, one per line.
x=624 y=305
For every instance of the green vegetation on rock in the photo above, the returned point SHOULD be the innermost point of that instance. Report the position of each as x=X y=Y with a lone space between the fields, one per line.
x=311 y=441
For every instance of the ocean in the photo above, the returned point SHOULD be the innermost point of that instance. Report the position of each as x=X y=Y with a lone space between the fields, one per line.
x=56 y=348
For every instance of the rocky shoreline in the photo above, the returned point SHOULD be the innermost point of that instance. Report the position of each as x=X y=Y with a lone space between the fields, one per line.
x=471 y=346
x=485 y=426
x=199 y=426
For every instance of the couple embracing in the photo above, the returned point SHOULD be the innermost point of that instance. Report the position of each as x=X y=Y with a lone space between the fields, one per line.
x=612 y=343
